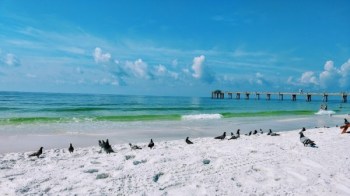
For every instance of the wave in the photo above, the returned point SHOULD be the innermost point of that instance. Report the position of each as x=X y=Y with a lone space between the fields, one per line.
x=267 y=113
x=201 y=116
x=325 y=112
x=160 y=117
x=30 y=120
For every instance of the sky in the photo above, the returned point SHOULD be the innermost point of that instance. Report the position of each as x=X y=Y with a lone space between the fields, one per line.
x=174 y=48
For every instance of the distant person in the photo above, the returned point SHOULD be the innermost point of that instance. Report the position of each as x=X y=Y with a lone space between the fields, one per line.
x=345 y=126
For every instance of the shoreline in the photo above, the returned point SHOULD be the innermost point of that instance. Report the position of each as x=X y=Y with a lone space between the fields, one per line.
x=60 y=135
x=258 y=164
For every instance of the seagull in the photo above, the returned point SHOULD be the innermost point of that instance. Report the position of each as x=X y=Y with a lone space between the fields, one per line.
x=233 y=137
x=255 y=132
x=188 y=141
x=151 y=144
x=38 y=153
x=306 y=141
x=221 y=137
x=107 y=147
x=134 y=147
x=70 y=149
x=272 y=134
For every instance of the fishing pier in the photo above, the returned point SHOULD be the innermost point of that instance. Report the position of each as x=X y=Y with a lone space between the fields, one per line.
x=218 y=94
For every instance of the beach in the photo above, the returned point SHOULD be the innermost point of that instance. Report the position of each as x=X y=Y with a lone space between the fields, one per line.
x=251 y=165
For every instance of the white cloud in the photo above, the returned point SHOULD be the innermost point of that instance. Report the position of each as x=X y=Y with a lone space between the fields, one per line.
x=11 y=60
x=308 y=78
x=138 y=68
x=330 y=76
x=101 y=57
x=200 y=71
x=197 y=66
x=160 y=70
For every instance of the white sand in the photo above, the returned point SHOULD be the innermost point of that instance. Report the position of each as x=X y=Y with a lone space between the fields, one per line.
x=255 y=165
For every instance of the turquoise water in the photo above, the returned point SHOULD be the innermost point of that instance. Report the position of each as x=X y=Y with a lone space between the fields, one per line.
x=29 y=108
x=55 y=120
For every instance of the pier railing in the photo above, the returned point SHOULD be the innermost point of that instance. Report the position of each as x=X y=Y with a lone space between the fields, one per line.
x=218 y=94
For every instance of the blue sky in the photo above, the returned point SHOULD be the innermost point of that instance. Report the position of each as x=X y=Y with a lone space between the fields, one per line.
x=174 y=47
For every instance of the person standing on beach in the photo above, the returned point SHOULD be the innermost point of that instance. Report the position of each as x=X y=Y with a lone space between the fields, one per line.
x=345 y=126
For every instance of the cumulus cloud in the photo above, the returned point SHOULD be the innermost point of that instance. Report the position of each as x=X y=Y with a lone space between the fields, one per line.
x=308 y=78
x=11 y=60
x=330 y=78
x=197 y=66
x=161 y=70
x=138 y=68
x=101 y=57
x=200 y=71
x=258 y=79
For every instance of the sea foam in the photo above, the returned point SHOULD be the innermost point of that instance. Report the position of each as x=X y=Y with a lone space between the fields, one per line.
x=201 y=116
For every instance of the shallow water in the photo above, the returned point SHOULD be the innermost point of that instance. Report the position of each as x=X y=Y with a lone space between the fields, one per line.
x=53 y=120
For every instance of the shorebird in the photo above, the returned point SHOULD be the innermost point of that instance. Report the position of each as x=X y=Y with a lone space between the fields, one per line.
x=134 y=147
x=151 y=144
x=255 y=132
x=221 y=137
x=233 y=137
x=272 y=134
x=249 y=134
x=108 y=147
x=38 y=153
x=306 y=141
x=70 y=149
x=188 y=141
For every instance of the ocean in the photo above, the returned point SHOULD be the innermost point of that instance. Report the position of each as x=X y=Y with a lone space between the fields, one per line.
x=85 y=117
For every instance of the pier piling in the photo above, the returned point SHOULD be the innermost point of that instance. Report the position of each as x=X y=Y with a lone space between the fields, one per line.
x=218 y=94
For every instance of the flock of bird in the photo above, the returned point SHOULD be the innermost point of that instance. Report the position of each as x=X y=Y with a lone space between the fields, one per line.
x=108 y=148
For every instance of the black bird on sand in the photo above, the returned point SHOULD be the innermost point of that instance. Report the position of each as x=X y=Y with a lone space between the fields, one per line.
x=249 y=134
x=38 y=153
x=221 y=137
x=188 y=141
x=255 y=132
x=108 y=147
x=306 y=141
x=70 y=149
x=272 y=134
x=303 y=129
x=134 y=147
x=233 y=137
x=105 y=146
x=151 y=144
